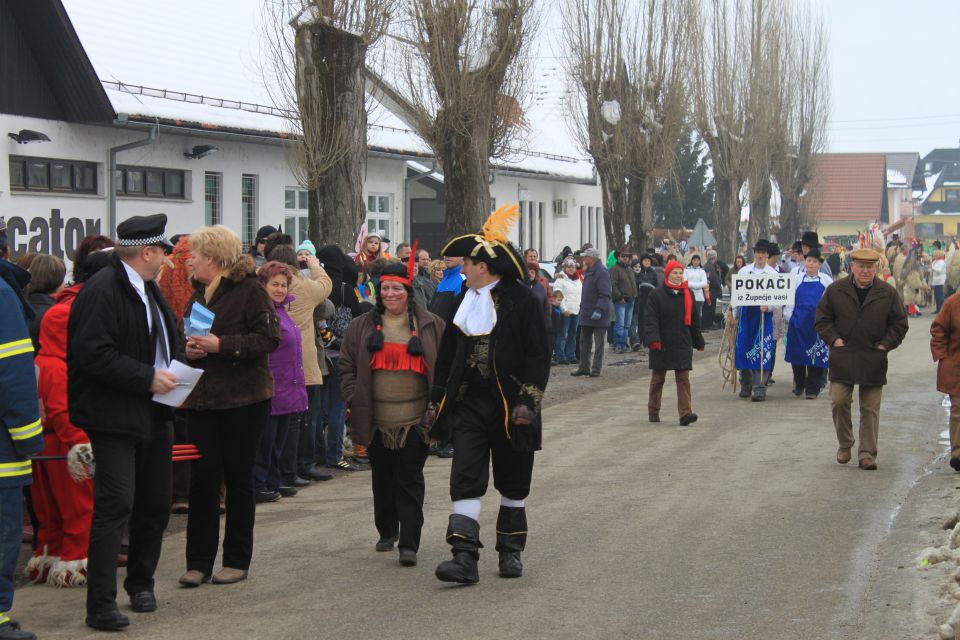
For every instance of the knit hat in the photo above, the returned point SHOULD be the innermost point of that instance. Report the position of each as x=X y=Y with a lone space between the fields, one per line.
x=307 y=246
x=673 y=264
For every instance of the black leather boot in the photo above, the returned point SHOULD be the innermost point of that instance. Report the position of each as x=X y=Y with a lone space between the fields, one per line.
x=511 y=539
x=463 y=534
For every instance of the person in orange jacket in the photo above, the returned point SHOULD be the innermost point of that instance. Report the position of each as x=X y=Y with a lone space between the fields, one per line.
x=62 y=490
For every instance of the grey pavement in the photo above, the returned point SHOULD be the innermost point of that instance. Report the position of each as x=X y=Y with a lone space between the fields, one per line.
x=740 y=526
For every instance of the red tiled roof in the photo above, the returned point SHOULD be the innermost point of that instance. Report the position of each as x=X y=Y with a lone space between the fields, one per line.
x=848 y=186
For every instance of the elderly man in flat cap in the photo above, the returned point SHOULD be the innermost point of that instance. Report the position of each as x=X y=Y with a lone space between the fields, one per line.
x=121 y=339
x=861 y=318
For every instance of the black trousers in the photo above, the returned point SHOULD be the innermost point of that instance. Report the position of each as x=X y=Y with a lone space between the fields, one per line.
x=131 y=484
x=478 y=437
x=227 y=440
x=398 y=489
x=809 y=380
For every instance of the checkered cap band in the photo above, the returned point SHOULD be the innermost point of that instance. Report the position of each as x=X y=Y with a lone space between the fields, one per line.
x=142 y=242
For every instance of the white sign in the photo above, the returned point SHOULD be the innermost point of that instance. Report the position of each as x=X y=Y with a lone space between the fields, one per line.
x=762 y=289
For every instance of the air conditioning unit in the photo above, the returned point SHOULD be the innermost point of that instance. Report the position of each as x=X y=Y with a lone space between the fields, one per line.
x=560 y=208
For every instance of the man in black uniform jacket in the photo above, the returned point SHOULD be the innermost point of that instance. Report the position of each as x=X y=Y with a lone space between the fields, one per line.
x=491 y=371
x=122 y=338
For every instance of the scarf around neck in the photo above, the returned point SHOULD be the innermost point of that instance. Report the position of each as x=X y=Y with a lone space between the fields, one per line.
x=684 y=288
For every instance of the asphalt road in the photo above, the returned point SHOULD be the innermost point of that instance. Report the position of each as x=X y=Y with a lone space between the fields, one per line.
x=740 y=526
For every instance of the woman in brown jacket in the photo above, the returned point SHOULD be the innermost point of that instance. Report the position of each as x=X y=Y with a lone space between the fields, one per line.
x=230 y=405
x=945 y=346
x=386 y=368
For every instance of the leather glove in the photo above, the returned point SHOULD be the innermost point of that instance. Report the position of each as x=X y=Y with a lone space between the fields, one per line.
x=429 y=417
x=80 y=462
x=522 y=414
x=596 y=315
x=656 y=346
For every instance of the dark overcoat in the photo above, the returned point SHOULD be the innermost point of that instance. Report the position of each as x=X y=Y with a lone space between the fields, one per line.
x=879 y=321
x=663 y=323
x=595 y=296
x=945 y=346
x=520 y=354
x=246 y=322
x=110 y=356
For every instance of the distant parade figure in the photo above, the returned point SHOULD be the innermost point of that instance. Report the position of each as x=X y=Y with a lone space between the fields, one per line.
x=491 y=373
x=672 y=332
x=862 y=319
x=754 y=352
x=807 y=353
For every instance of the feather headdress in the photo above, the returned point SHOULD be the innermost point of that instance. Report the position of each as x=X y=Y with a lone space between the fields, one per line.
x=498 y=225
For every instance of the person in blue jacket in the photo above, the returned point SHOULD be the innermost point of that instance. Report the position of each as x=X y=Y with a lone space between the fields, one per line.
x=21 y=434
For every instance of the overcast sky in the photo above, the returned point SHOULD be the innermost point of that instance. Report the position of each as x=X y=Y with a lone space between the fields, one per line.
x=894 y=81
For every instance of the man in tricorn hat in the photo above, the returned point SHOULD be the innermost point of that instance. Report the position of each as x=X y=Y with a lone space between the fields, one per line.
x=121 y=338
x=861 y=318
x=491 y=372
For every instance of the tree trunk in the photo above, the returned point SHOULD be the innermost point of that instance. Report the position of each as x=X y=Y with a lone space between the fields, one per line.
x=614 y=205
x=728 y=218
x=640 y=209
x=789 y=218
x=330 y=82
x=466 y=179
x=759 y=225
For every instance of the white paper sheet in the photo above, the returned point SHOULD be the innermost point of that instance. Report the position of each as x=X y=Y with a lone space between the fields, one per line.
x=186 y=380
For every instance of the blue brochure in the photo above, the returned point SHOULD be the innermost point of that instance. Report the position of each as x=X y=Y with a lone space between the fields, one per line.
x=199 y=322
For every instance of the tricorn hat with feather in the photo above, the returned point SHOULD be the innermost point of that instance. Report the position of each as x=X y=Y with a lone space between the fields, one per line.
x=491 y=245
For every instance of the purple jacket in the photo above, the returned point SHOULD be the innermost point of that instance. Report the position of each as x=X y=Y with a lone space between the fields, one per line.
x=286 y=365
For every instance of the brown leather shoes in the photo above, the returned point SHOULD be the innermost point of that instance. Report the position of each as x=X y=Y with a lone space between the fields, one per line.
x=843 y=455
x=229 y=576
x=868 y=464
x=194 y=578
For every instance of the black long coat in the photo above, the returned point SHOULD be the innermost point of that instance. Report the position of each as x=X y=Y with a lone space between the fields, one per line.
x=109 y=355
x=663 y=322
x=521 y=363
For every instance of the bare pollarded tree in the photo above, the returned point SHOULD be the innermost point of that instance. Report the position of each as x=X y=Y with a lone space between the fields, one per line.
x=316 y=60
x=627 y=63
x=463 y=67
x=721 y=90
x=596 y=35
x=770 y=46
x=805 y=133
x=659 y=105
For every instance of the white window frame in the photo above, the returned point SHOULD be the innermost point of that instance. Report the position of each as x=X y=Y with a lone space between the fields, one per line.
x=249 y=207
x=298 y=213
x=213 y=200
x=380 y=216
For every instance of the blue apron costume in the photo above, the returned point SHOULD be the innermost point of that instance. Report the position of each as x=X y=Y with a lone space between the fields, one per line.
x=748 y=346
x=804 y=346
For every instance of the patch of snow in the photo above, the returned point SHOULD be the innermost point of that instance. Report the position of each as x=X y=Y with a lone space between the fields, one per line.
x=610 y=110
x=895 y=178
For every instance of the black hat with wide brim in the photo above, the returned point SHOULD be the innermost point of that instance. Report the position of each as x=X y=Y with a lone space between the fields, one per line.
x=811 y=239
x=504 y=258
x=762 y=245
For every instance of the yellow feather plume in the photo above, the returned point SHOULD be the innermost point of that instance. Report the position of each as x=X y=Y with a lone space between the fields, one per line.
x=497 y=226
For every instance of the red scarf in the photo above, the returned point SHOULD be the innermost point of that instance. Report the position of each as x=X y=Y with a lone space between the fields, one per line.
x=687 y=296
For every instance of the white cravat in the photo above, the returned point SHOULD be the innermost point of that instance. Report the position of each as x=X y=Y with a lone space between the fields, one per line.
x=477 y=315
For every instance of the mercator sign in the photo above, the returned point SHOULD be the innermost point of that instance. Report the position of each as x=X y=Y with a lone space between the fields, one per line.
x=762 y=289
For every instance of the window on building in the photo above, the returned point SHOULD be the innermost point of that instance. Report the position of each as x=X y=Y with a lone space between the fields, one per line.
x=47 y=174
x=150 y=182
x=541 y=214
x=212 y=197
x=379 y=207
x=590 y=225
x=248 y=204
x=953 y=195
x=296 y=206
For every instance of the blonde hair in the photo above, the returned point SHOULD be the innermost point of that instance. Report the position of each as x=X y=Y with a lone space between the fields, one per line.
x=217 y=242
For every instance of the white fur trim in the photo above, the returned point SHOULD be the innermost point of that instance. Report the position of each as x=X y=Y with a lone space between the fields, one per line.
x=70 y=573
x=38 y=567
